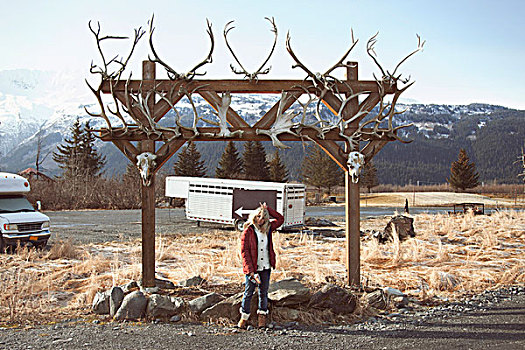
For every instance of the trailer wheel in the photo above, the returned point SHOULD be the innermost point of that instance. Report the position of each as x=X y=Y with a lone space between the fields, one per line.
x=239 y=224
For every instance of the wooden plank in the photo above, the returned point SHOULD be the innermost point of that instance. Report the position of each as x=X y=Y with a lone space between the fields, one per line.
x=373 y=148
x=121 y=96
x=167 y=151
x=148 y=201
x=232 y=117
x=127 y=149
x=352 y=204
x=244 y=86
x=162 y=107
x=334 y=151
x=249 y=134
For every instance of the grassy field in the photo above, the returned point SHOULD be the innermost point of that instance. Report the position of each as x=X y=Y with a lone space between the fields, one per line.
x=450 y=257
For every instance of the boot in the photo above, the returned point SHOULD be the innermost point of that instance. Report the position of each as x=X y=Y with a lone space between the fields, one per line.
x=243 y=322
x=261 y=319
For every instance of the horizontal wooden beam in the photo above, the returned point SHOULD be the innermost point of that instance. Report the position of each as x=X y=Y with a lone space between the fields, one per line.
x=249 y=134
x=245 y=86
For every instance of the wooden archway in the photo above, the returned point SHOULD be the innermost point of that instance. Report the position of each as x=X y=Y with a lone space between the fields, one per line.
x=148 y=100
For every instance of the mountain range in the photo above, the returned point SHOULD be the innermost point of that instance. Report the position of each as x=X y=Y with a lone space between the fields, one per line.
x=40 y=107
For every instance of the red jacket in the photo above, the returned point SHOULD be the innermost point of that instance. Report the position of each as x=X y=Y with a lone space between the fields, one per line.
x=249 y=244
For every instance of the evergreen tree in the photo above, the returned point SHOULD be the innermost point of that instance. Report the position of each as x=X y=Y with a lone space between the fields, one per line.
x=254 y=160
x=189 y=162
x=319 y=170
x=368 y=177
x=463 y=174
x=230 y=165
x=77 y=156
x=278 y=171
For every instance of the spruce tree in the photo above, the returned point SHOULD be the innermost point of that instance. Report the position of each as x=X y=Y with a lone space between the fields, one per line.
x=463 y=174
x=278 y=171
x=77 y=156
x=230 y=165
x=368 y=177
x=255 y=166
x=319 y=170
x=189 y=162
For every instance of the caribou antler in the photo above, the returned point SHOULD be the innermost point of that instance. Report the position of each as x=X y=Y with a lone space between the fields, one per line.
x=388 y=77
x=320 y=78
x=364 y=132
x=172 y=74
x=222 y=114
x=250 y=76
x=111 y=77
x=283 y=123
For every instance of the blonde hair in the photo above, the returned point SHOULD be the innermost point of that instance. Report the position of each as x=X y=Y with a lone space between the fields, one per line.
x=257 y=213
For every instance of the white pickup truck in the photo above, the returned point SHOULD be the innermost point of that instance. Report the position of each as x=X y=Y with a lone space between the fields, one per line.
x=20 y=223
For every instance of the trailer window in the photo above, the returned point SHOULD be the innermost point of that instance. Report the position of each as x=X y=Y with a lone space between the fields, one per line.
x=14 y=204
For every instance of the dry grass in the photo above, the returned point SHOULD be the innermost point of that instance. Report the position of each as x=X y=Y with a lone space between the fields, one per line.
x=450 y=256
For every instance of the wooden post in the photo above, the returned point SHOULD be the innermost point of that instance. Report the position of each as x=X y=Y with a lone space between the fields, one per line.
x=148 y=200
x=352 y=206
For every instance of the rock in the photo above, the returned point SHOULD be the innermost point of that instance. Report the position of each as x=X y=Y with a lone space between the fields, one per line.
x=331 y=297
x=175 y=318
x=163 y=306
x=193 y=282
x=403 y=225
x=288 y=292
x=229 y=308
x=201 y=303
x=116 y=295
x=286 y=314
x=130 y=286
x=318 y=222
x=133 y=307
x=377 y=299
x=393 y=292
x=101 y=303
x=164 y=284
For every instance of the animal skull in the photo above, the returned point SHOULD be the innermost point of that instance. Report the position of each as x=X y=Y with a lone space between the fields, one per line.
x=355 y=161
x=146 y=163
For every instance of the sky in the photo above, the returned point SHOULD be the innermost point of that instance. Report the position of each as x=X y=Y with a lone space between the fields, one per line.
x=474 y=50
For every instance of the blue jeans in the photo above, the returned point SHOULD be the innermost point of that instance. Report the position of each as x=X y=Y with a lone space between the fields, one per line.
x=263 y=291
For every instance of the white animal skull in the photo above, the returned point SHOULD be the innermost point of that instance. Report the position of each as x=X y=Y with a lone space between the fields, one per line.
x=146 y=163
x=355 y=161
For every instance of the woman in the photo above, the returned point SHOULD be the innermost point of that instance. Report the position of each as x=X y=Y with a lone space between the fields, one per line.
x=258 y=257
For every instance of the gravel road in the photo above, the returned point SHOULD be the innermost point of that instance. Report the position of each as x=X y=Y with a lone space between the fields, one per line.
x=493 y=320
x=94 y=226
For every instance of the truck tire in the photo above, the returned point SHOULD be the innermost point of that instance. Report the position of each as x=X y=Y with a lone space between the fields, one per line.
x=2 y=244
x=239 y=225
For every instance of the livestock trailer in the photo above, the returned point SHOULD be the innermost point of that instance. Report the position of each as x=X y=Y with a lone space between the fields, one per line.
x=230 y=202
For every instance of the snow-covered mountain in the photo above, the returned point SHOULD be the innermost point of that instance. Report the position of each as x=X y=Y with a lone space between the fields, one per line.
x=38 y=106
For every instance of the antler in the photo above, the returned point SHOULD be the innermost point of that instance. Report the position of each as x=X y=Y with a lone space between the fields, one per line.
x=283 y=123
x=388 y=77
x=222 y=113
x=320 y=77
x=172 y=74
x=111 y=77
x=386 y=111
x=250 y=76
